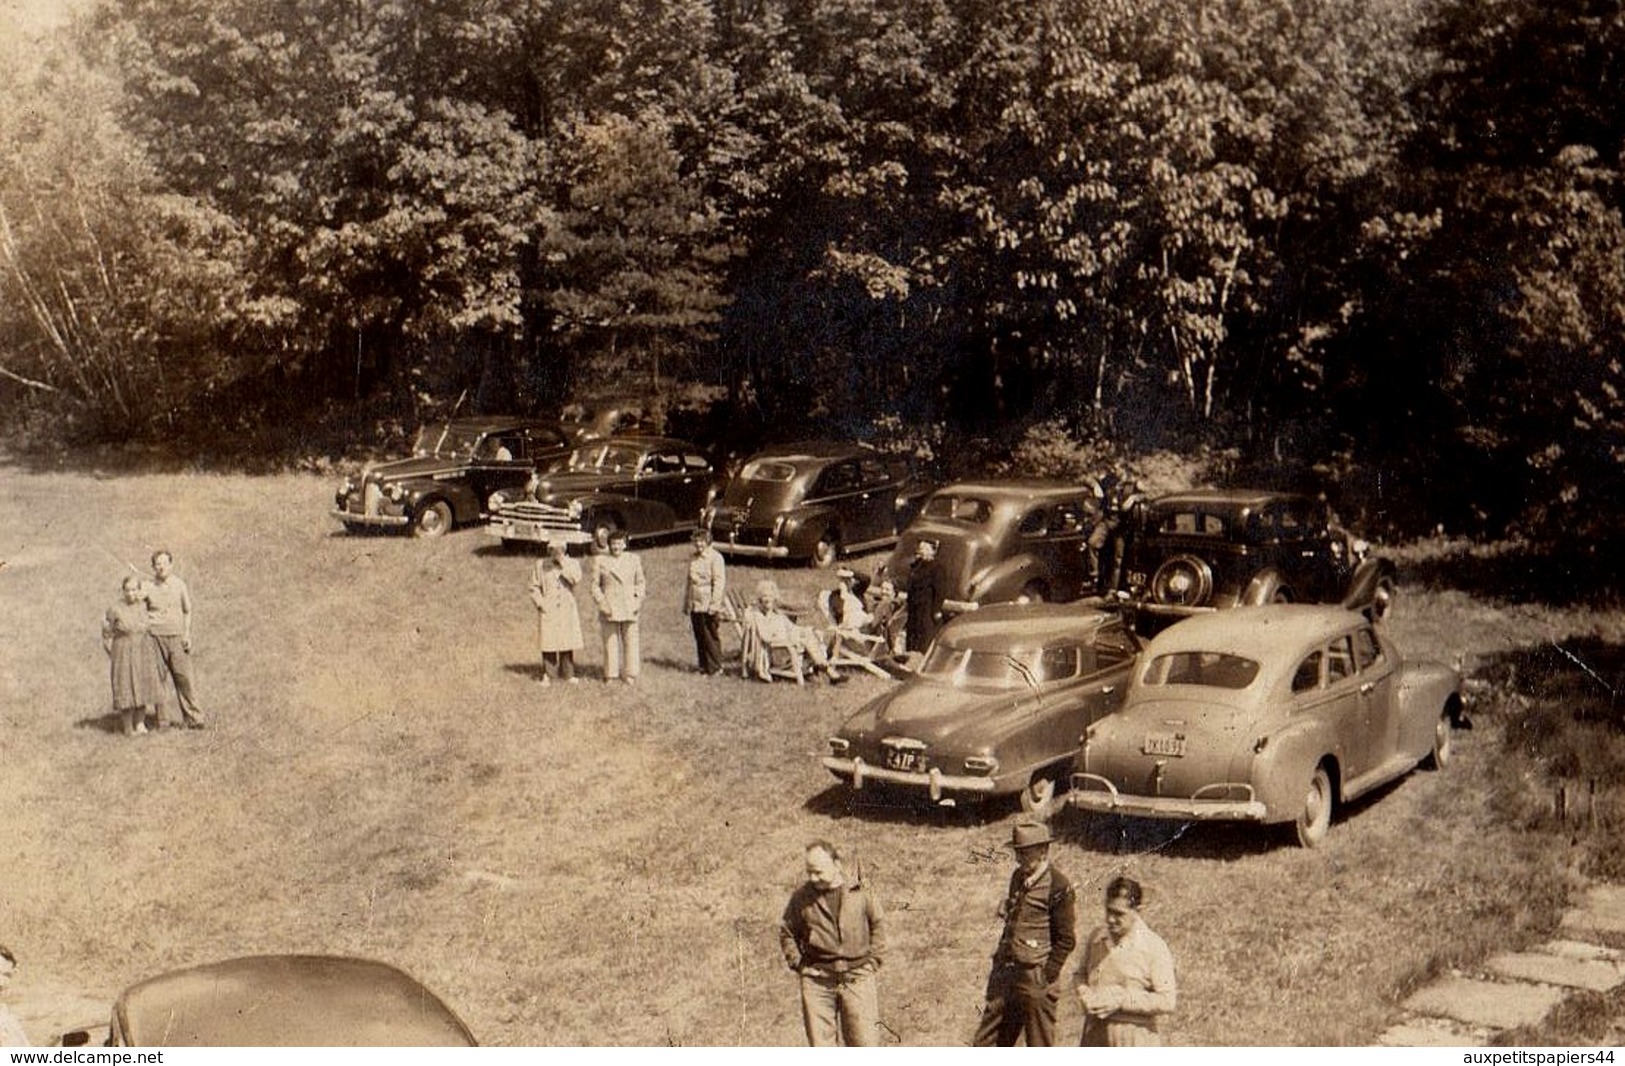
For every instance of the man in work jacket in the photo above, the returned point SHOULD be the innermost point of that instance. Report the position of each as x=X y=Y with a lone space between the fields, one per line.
x=1040 y=916
x=833 y=936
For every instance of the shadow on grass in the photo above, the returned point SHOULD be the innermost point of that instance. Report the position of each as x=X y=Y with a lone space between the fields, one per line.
x=1585 y=575
x=108 y=722
x=890 y=806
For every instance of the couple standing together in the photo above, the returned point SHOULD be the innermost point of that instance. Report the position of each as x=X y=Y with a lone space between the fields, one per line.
x=148 y=639
x=618 y=591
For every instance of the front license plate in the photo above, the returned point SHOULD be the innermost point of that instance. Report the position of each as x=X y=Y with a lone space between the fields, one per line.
x=1165 y=744
x=902 y=759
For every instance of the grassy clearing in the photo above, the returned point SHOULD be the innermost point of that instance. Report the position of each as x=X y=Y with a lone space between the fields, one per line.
x=597 y=865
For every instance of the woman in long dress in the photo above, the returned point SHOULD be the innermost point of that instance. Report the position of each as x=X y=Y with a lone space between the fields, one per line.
x=558 y=622
x=136 y=670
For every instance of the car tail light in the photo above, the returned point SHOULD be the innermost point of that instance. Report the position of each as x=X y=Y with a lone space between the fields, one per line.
x=981 y=764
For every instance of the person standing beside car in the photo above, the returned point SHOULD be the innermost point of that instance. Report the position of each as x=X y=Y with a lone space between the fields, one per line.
x=617 y=589
x=833 y=936
x=1126 y=980
x=1040 y=917
x=169 y=606
x=925 y=596
x=553 y=583
x=704 y=601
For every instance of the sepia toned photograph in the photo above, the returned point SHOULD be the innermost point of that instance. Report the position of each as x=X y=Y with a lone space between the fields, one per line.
x=764 y=523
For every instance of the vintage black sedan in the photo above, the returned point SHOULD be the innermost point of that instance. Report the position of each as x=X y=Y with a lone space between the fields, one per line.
x=280 y=1001
x=641 y=486
x=1004 y=541
x=1192 y=552
x=454 y=468
x=996 y=708
x=815 y=500
x=1274 y=714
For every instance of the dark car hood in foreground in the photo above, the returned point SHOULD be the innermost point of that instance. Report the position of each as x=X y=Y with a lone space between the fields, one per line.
x=425 y=466
x=287 y=1001
x=567 y=486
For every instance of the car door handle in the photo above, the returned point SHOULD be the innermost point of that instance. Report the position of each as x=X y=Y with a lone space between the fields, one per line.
x=1107 y=690
x=1365 y=689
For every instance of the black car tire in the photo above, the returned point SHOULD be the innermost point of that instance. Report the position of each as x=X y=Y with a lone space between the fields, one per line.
x=433 y=520
x=1316 y=817
x=1439 y=757
x=826 y=551
x=1197 y=570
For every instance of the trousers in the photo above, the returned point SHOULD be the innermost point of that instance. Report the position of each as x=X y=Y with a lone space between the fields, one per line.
x=1019 y=1004
x=841 y=1008
x=707 y=641
x=622 y=655
x=179 y=662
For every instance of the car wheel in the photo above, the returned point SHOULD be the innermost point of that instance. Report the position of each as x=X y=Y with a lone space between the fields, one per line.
x=1439 y=757
x=1316 y=817
x=433 y=521
x=1039 y=798
x=1382 y=601
x=826 y=551
x=1032 y=592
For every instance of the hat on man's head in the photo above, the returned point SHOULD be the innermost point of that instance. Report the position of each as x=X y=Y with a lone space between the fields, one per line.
x=1029 y=835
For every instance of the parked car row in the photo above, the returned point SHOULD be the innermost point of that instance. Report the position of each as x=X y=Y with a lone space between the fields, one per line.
x=1274 y=714
x=1019 y=540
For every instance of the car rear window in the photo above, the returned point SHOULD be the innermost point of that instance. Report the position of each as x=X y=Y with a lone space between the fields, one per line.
x=1211 y=669
x=767 y=470
x=971 y=509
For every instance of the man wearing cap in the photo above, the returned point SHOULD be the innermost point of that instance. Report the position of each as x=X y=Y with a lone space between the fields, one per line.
x=1039 y=912
x=833 y=936
x=703 y=601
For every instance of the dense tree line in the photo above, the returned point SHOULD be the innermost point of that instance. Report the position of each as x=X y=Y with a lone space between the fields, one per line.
x=1380 y=238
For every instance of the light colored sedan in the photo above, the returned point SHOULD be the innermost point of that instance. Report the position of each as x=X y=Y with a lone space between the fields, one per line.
x=1274 y=714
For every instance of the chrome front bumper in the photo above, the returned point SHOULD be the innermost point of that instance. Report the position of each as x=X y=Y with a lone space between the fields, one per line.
x=1091 y=792
x=356 y=518
x=519 y=529
x=935 y=782
x=760 y=551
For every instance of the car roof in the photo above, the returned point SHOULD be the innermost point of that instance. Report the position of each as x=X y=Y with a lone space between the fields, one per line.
x=643 y=440
x=812 y=449
x=287 y=1001
x=487 y=423
x=1011 y=624
x=1230 y=499
x=1025 y=487
x=1266 y=633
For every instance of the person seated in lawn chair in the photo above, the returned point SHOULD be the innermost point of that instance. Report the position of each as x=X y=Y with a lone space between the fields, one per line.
x=767 y=626
x=888 y=613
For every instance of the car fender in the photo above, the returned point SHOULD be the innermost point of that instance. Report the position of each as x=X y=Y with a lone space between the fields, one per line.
x=639 y=515
x=1264 y=587
x=1003 y=581
x=1281 y=770
x=420 y=495
x=804 y=527
x=1363 y=584
x=1425 y=690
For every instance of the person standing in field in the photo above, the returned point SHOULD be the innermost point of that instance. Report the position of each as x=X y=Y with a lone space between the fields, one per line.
x=558 y=623
x=1126 y=979
x=617 y=589
x=169 y=607
x=703 y=601
x=924 y=596
x=135 y=666
x=833 y=936
x=1040 y=917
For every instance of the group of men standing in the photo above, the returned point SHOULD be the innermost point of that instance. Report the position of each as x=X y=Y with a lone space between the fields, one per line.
x=833 y=936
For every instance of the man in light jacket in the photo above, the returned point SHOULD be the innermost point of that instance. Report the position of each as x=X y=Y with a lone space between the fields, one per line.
x=703 y=601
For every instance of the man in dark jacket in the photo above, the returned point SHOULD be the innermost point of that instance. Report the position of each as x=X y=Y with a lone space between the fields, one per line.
x=833 y=935
x=1040 y=918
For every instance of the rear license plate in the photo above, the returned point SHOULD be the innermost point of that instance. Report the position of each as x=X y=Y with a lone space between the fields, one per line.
x=1165 y=744
x=902 y=759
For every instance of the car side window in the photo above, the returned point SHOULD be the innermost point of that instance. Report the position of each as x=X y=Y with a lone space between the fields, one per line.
x=1366 y=649
x=874 y=474
x=836 y=479
x=1034 y=523
x=1339 y=661
x=1307 y=677
x=1069 y=518
x=1056 y=664
x=696 y=464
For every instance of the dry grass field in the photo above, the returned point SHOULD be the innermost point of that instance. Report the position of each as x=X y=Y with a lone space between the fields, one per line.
x=604 y=865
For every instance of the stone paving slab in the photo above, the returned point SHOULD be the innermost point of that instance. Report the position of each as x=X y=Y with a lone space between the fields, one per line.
x=1602 y=910
x=1432 y=1032
x=1485 y=1003
x=1574 y=949
x=1598 y=975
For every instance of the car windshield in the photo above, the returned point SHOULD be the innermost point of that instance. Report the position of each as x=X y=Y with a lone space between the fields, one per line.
x=767 y=470
x=450 y=442
x=609 y=458
x=1014 y=668
x=971 y=509
x=1212 y=669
